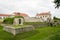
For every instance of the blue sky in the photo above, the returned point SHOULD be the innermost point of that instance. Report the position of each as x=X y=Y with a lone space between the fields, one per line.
x=30 y=7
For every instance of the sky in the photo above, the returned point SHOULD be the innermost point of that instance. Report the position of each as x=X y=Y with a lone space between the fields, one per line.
x=30 y=7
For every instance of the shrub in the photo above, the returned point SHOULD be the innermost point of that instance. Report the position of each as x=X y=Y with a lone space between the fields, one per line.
x=8 y=21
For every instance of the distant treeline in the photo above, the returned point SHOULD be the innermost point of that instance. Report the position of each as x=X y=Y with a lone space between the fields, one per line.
x=55 y=18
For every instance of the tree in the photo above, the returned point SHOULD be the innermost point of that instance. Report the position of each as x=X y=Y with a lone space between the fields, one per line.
x=55 y=18
x=57 y=2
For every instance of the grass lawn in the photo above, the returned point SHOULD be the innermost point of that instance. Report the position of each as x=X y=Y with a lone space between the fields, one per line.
x=38 y=34
x=20 y=26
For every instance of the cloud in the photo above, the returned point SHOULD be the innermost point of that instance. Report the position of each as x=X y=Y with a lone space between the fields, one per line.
x=30 y=7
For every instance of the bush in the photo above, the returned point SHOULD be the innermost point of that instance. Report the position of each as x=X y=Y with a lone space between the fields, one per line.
x=8 y=21
x=55 y=18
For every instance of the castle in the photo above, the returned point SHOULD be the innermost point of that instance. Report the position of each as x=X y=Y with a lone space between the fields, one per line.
x=40 y=17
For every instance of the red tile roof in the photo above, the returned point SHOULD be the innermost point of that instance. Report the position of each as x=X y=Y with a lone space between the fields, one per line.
x=20 y=14
x=15 y=14
x=44 y=13
x=4 y=15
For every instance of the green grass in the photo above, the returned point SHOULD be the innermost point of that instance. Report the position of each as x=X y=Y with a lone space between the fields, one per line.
x=20 y=26
x=56 y=36
x=32 y=23
x=5 y=35
x=38 y=34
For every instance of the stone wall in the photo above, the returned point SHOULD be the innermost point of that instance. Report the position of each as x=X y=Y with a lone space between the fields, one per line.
x=15 y=31
x=33 y=19
x=40 y=25
x=16 y=21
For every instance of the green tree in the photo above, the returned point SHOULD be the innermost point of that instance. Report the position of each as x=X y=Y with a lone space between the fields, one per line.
x=57 y=2
x=55 y=18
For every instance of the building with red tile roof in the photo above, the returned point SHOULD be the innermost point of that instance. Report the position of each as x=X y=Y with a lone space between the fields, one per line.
x=43 y=13
x=4 y=15
x=13 y=14
x=20 y=14
x=40 y=17
x=44 y=16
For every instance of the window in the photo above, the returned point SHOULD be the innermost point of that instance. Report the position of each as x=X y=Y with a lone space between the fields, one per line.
x=0 y=17
x=43 y=16
x=40 y=17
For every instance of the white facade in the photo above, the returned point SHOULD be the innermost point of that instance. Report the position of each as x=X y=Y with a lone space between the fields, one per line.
x=44 y=17
x=2 y=17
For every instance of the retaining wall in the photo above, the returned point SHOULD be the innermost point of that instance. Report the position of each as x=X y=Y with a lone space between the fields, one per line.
x=15 y=31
